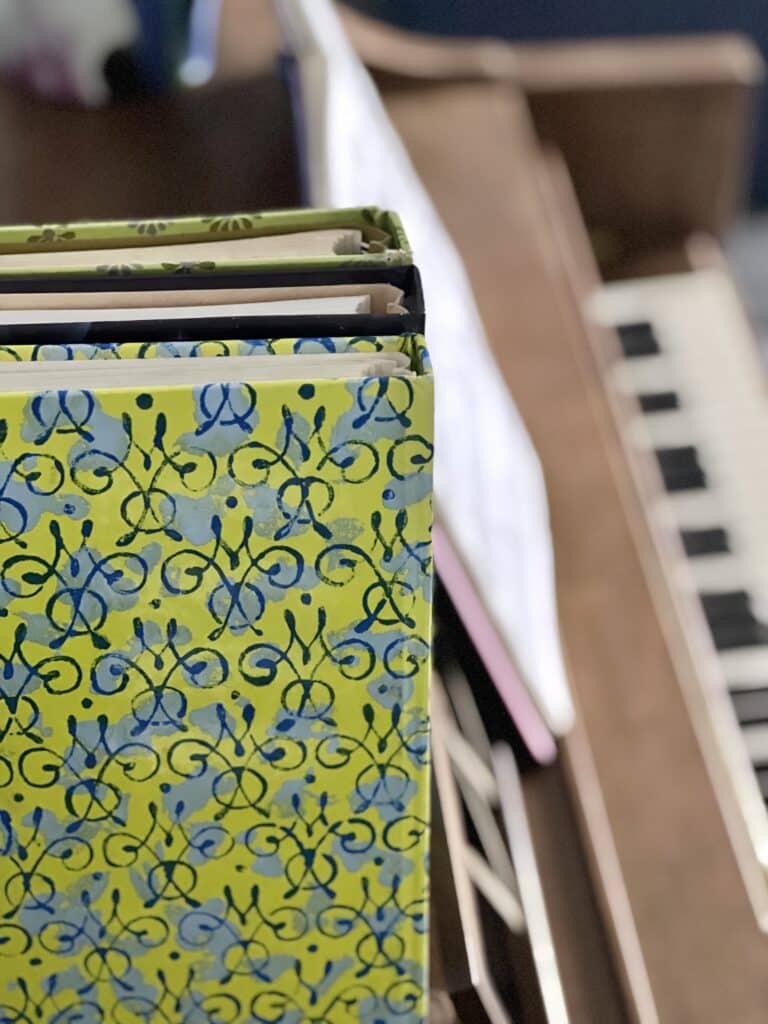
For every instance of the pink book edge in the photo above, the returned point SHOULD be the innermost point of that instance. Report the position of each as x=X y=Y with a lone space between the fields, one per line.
x=492 y=650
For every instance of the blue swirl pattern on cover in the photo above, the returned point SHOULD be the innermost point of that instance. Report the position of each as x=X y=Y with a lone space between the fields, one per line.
x=214 y=650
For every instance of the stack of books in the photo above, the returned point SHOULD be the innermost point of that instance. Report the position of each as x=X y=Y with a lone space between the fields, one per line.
x=215 y=591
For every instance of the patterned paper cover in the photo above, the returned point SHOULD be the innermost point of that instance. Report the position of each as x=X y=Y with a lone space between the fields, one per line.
x=214 y=655
x=178 y=349
x=382 y=231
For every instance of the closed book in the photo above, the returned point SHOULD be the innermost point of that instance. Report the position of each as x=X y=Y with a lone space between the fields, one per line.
x=215 y=592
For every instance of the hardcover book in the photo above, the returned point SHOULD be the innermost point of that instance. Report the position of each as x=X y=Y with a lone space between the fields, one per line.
x=215 y=594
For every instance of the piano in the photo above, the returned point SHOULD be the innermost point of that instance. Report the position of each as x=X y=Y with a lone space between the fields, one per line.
x=689 y=398
x=586 y=186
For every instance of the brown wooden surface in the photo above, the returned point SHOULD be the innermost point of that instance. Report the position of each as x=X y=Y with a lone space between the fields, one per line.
x=654 y=130
x=673 y=154
x=706 y=959
x=590 y=975
x=226 y=146
x=584 y=64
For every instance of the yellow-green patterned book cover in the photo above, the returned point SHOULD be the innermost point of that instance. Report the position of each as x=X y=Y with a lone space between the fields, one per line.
x=156 y=246
x=214 y=656
x=47 y=352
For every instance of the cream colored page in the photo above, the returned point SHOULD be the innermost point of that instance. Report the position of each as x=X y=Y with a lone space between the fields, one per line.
x=150 y=373
x=384 y=298
x=332 y=306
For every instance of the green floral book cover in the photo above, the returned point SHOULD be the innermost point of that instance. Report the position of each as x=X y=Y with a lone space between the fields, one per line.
x=384 y=242
x=214 y=658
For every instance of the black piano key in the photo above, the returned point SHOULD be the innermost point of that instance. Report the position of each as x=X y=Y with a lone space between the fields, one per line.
x=638 y=339
x=741 y=633
x=680 y=468
x=713 y=541
x=659 y=401
x=725 y=604
x=762 y=780
x=751 y=705
x=732 y=621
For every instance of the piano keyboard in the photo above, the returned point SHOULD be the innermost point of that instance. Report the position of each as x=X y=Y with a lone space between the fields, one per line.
x=690 y=391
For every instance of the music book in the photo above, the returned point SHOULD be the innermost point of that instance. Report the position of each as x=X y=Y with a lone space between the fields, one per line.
x=215 y=601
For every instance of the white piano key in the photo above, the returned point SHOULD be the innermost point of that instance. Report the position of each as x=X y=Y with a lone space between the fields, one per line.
x=745 y=667
x=662 y=430
x=756 y=740
x=692 y=510
x=641 y=376
x=715 y=573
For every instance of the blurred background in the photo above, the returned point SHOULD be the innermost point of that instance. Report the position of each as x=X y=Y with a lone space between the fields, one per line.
x=559 y=19
x=747 y=238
